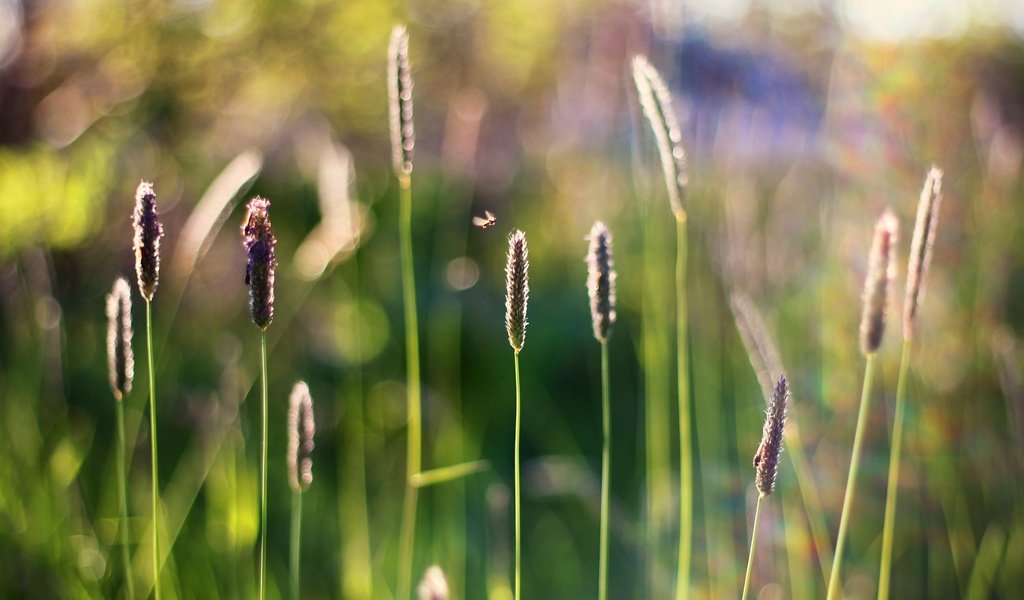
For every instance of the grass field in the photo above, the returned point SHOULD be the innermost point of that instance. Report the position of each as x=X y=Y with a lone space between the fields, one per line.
x=799 y=129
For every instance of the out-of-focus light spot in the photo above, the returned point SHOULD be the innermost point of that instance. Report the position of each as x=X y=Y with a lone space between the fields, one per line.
x=386 y=405
x=10 y=30
x=64 y=115
x=47 y=313
x=772 y=591
x=368 y=319
x=462 y=273
x=91 y=563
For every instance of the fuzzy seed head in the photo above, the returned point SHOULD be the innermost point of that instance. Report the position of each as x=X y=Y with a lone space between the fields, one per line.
x=877 y=286
x=301 y=429
x=260 y=243
x=517 y=289
x=921 y=248
x=766 y=460
x=656 y=102
x=433 y=586
x=403 y=135
x=601 y=281
x=148 y=232
x=121 y=360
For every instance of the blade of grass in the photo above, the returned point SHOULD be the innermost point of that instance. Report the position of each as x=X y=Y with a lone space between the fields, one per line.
x=412 y=354
x=685 y=439
x=851 y=480
x=602 y=585
x=446 y=474
x=153 y=451
x=753 y=546
x=122 y=490
x=892 y=488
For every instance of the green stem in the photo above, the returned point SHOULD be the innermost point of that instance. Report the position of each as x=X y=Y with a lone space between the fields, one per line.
x=296 y=549
x=263 y=463
x=685 y=441
x=356 y=569
x=851 y=479
x=892 y=489
x=517 y=489
x=602 y=585
x=122 y=488
x=412 y=359
x=153 y=452
x=449 y=473
x=753 y=545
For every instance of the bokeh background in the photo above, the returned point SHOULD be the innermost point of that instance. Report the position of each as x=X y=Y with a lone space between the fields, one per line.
x=803 y=120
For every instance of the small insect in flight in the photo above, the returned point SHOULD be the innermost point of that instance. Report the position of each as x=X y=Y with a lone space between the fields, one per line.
x=485 y=222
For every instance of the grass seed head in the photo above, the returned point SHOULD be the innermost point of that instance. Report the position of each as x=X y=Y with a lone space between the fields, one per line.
x=121 y=360
x=517 y=289
x=766 y=461
x=148 y=232
x=403 y=135
x=921 y=247
x=260 y=244
x=601 y=281
x=656 y=102
x=433 y=586
x=877 y=286
x=301 y=429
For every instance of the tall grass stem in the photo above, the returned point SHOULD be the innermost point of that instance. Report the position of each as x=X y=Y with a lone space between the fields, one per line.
x=296 y=546
x=892 y=489
x=412 y=355
x=851 y=479
x=153 y=450
x=518 y=514
x=122 y=489
x=263 y=462
x=602 y=585
x=753 y=545
x=685 y=439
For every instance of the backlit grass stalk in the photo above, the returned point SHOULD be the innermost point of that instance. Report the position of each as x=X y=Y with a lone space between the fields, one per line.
x=517 y=295
x=403 y=139
x=766 y=461
x=917 y=269
x=877 y=287
x=764 y=358
x=301 y=429
x=601 y=289
x=122 y=373
x=148 y=231
x=260 y=247
x=657 y=106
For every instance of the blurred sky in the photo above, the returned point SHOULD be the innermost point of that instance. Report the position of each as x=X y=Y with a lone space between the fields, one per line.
x=872 y=19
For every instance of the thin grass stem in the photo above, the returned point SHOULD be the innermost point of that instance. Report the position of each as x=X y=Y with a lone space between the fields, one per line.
x=516 y=586
x=263 y=463
x=153 y=450
x=851 y=480
x=122 y=489
x=602 y=585
x=892 y=489
x=412 y=355
x=296 y=546
x=449 y=473
x=356 y=569
x=753 y=545
x=685 y=439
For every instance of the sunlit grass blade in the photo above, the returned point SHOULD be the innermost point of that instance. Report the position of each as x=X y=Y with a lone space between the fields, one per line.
x=877 y=288
x=445 y=474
